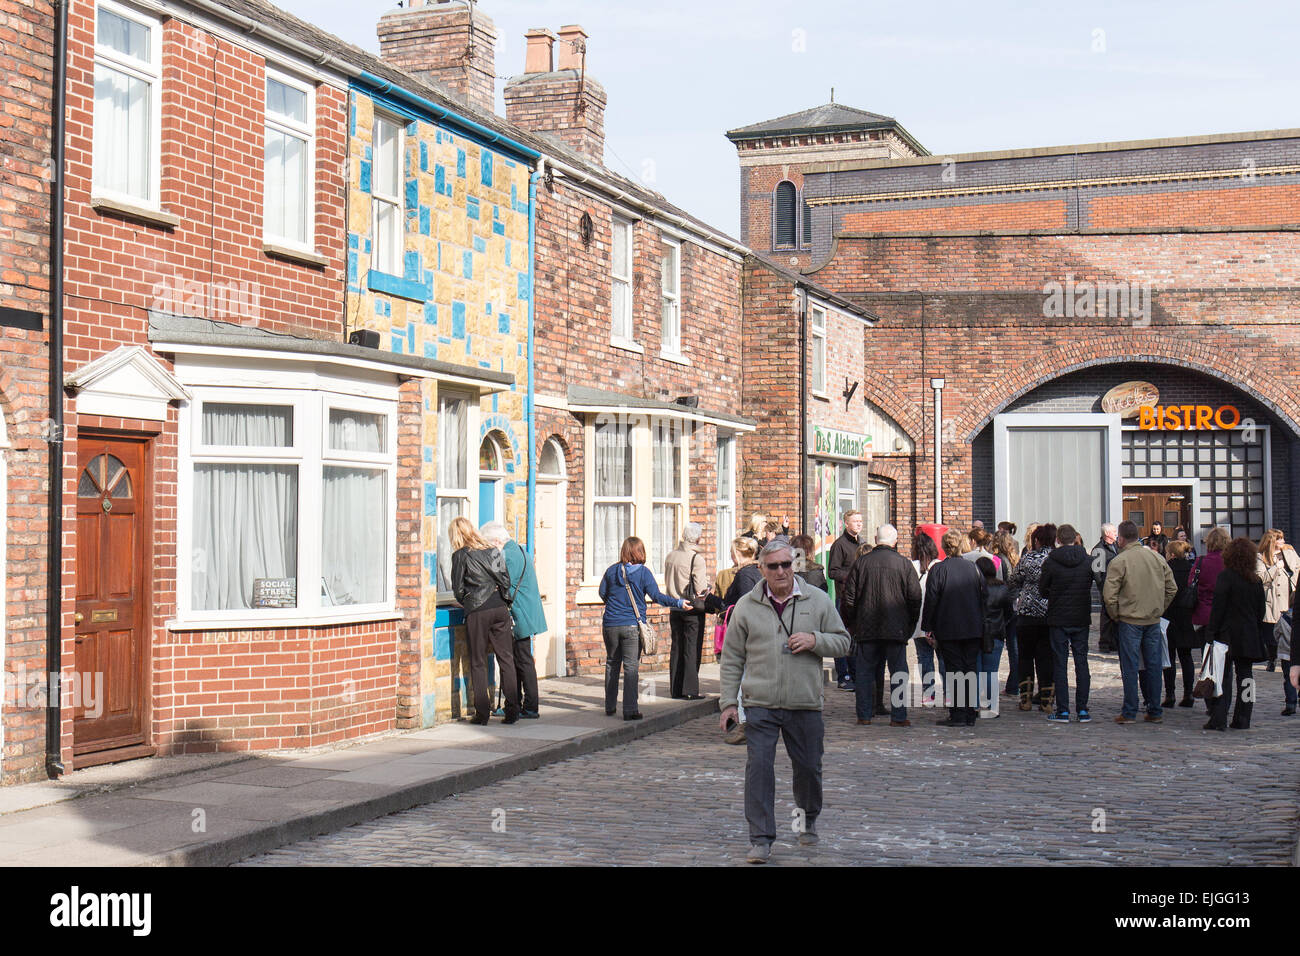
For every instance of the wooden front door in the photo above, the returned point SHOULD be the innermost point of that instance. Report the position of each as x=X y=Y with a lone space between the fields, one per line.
x=1170 y=506
x=111 y=613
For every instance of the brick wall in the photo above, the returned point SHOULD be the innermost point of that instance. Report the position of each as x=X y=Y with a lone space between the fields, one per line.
x=1223 y=304
x=562 y=103
x=26 y=60
x=446 y=45
x=572 y=346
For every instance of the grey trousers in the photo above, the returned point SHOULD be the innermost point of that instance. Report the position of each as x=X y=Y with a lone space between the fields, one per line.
x=622 y=649
x=804 y=733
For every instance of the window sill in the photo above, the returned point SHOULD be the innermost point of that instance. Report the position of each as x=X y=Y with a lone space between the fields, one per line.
x=627 y=345
x=126 y=210
x=302 y=256
x=820 y=395
x=677 y=358
x=281 y=623
x=588 y=594
x=396 y=285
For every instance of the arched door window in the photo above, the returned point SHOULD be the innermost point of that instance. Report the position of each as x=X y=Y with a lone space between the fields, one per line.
x=551 y=465
x=491 y=480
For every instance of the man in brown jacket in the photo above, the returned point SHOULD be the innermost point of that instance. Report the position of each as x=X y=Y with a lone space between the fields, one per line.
x=1139 y=586
x=686 y=577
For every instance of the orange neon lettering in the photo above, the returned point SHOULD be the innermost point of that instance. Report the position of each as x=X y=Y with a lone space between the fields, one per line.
x=1236 y=416
x=1203 y=415
x=1171 y=420
x=1146 y=417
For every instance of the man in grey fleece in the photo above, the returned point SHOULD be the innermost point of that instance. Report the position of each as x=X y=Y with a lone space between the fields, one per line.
x=777 y=638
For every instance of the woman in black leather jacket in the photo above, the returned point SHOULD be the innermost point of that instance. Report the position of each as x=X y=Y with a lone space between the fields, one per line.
x=482 y=587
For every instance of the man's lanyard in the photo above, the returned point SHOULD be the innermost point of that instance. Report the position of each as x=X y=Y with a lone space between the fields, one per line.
x=780 y=615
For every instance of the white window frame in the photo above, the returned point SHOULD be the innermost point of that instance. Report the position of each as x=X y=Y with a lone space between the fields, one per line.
x=849 y=501
x=726 y=459
x=307 y=133
x=642 y=499
x=311 y=454
x=622 y=329
x=817 y=348
x=468 y=494
x=670 y=310
x=674 y=427
x=399 y=232
x=149 y=71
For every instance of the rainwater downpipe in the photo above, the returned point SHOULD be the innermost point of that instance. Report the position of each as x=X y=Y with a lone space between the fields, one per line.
x=54 y=557
x=937 y=385
x=530 y=418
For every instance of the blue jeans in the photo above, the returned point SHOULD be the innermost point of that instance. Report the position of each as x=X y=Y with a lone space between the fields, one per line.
x=989 y=686
x=1139 y=649
x=1065 y=640
x=931 y=683
x=869 y=655
x=1291 y=693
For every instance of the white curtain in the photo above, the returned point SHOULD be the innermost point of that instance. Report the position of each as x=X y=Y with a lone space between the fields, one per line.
x=613 y=461
x=245 y=528
x=261 y=426
x=453 y=443
x=663 y=535
x=122 y=132
x=286 y=185
x=613 y=525
x=667 y=473
x=356 y=431
x=354 y=536
x=448 y=508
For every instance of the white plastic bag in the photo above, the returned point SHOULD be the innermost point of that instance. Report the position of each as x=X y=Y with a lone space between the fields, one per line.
x=1213 y=657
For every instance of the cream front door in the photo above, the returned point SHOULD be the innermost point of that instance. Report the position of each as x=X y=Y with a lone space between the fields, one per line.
x=548 y=649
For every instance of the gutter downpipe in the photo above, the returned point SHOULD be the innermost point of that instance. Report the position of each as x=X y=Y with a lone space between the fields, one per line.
x=530 y=418
x=802 y=471
x=54 y=571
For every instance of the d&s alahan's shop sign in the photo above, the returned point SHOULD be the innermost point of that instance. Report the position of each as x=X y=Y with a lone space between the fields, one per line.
x=833 y=443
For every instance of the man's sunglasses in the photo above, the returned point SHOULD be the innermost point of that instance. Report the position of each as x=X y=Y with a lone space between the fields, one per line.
x=779 y=565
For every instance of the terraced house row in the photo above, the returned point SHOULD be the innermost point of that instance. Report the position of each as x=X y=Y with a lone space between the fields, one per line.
x=275 y=311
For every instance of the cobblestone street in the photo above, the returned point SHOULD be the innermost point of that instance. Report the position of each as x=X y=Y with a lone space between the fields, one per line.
x=1016 y=790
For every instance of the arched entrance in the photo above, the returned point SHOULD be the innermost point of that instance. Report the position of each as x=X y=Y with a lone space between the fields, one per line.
x=1055 y=453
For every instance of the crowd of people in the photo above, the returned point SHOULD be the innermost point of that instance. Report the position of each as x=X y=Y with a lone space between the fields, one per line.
x=960 y=601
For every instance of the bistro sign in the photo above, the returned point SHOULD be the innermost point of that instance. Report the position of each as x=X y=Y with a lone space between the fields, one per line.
x=1188 y=417
x=833 y=443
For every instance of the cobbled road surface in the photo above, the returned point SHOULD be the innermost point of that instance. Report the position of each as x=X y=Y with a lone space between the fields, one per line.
x=1015 y=790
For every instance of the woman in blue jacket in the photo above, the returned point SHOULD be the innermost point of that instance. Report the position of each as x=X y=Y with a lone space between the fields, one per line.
x=622 y=613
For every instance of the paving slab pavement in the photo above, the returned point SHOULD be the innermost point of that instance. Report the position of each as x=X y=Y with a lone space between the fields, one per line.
x=214 y=809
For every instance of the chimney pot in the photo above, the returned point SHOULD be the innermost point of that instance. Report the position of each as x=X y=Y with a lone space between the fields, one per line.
x=573 y=45
x=539 y=57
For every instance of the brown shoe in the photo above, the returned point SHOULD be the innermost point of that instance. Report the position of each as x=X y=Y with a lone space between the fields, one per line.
x=1153 y=720
x=900 y=723
x=1121 y=719
x=863 y=722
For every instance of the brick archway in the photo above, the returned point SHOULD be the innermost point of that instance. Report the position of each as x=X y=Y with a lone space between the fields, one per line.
x=882 y=392
x=1071 y=358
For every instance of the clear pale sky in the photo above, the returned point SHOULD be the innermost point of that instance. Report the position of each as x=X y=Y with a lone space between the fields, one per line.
x=959 y=77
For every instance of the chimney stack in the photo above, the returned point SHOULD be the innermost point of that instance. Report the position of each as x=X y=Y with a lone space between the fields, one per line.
x=556 y=95
x=447 y=43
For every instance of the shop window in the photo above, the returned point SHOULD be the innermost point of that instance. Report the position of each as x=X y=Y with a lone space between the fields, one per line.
x=284 y=487
x=128 y=86
x=846 y=482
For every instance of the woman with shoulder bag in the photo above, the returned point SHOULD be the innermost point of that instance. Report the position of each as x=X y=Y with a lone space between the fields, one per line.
x=1181 y=636
x=624 y=589
x=1235 y=614
x=480 y=584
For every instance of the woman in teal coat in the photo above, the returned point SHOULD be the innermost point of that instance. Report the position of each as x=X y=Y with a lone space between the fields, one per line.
x=525 y=610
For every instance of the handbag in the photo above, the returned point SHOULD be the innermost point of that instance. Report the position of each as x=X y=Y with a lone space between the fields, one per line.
x=1185 y=599
x=1209 y=680
x=720 y=631
x=649 y=637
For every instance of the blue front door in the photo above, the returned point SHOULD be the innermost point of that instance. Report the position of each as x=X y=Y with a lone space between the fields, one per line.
x=487 y=501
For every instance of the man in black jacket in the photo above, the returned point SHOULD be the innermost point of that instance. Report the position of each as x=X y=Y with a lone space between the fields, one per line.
x=1102 y=553
x=1066 y=581
x=953 y=620
x=844 y=552
x=880 y=605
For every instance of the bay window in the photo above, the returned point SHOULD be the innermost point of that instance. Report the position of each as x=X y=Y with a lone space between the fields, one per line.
x=290 y=499
x=666 y=457
x=128 y=81
x=613 y=501
x=453 y=475
x=288 y=178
